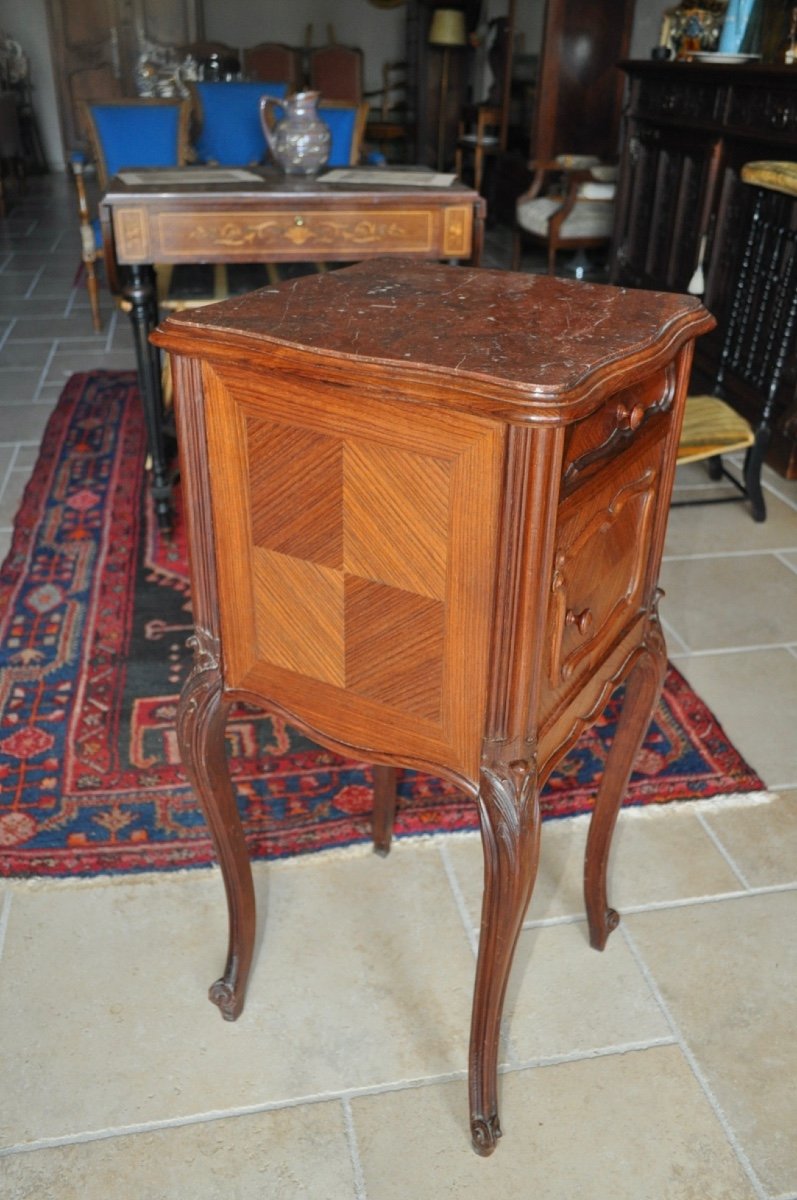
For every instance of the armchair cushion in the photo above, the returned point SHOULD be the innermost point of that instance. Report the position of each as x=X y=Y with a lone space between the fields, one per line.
x=346 y=124
x=138 y=135
x=588 y=218
x=229 y=113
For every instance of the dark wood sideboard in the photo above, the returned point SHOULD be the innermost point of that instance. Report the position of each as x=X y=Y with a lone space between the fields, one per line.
x=688 y=129
x=426 y=508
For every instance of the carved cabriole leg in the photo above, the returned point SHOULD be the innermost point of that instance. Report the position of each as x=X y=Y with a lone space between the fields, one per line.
x=509 y=781
x=384 y=807
x=642 y=688
x=202 y=711
x=201 y=721
x=510 y=824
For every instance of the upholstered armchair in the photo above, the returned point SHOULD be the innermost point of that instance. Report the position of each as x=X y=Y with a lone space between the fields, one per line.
x=123 y=134
x=569 y=206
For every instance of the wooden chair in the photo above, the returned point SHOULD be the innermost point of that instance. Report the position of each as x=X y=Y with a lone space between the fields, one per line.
x=336 y=72
x=759 y=343
x=347 y=125
x=274 y=62
x=569 y=206
x=485 y=139
x=389 y=122
x=124 y=134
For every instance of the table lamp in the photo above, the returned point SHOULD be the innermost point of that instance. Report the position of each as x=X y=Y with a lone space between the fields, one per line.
x=447 y=29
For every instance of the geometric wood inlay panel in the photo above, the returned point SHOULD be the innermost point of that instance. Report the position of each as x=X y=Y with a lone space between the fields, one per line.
x=296 y=476
x=396 y=517
x=394 y=647
x=299 y=615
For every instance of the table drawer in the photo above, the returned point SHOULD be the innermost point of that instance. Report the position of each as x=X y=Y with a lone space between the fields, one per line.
x=342 y=234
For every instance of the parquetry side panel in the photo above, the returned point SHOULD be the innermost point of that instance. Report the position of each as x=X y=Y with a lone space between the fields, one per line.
x=360 y=560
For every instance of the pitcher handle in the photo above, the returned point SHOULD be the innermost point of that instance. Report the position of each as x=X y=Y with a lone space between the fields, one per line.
x=267 y=119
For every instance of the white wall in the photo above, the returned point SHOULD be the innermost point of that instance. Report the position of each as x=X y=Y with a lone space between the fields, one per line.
x=26 y=22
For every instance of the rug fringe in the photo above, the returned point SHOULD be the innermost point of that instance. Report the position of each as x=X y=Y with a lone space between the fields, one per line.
x=632 y=812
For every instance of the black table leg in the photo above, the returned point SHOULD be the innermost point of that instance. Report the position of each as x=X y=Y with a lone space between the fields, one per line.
x=142 y=295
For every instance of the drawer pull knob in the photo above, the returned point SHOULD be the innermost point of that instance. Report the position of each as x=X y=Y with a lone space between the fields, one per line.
x=298 y=220
x=630 y=419
x=582 y=620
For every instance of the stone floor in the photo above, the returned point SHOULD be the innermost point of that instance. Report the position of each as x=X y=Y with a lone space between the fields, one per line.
x=664 y=1067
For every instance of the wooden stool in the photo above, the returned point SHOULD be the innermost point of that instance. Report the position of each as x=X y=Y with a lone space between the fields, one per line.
x=426 y=508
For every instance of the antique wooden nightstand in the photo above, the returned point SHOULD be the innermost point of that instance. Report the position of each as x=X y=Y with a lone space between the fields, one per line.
x=426 y=508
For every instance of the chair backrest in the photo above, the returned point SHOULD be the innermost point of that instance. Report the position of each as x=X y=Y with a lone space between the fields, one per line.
x=337 y=73
x=136 y=133
x=392 y=96
x=228 y=120
x=273 y=61
x=347 y=126
x=761 y=333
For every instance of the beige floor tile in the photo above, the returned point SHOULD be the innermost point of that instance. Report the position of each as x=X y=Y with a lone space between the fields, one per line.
x=761 y=839
x=719 y=528
x=11 y=497
x=267 y=1156
x=658 y=854
x=726 y=971
x=565 y=998
x=22 y=422
x=364 y=975
x=697 y=593
x=18 y=386
x=754 y=696
x=5 y=544
x=623 y=1127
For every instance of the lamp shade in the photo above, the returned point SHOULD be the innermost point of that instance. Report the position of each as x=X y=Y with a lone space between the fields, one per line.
x=447 y=28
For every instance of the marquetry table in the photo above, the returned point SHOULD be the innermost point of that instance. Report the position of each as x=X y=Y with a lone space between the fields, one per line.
x=230 y=215
x=426 y=507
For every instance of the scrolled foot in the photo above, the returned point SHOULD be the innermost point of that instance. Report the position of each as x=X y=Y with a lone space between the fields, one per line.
x=600 y=936
x=485 y=1133
x=224 y=996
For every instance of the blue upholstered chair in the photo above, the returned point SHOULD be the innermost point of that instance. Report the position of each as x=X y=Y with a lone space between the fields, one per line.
x=228 y=129
x=347 y=126
x=124 y=134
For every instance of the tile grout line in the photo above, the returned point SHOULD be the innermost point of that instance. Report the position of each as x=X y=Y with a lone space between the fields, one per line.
x=354 y=1149
x=7 y=333
x=459 y=899
x=753 y=647
x=719 y=1112
x=577 y=1056
x=11 y=466
x=246 y=1110
x=45 y=369
x=670 y=635
x=664 y=905
x=34 y=282
x=780 y=555
x=714 y=554
x=726 y=854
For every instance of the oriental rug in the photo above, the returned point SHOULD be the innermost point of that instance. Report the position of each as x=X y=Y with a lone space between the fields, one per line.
x=95 y=611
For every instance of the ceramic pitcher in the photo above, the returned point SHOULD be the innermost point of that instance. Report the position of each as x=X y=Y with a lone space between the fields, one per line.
x=300 y=141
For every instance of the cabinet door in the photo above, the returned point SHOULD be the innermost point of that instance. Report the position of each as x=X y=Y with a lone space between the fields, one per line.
x=669 y=179
x=95 y=44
